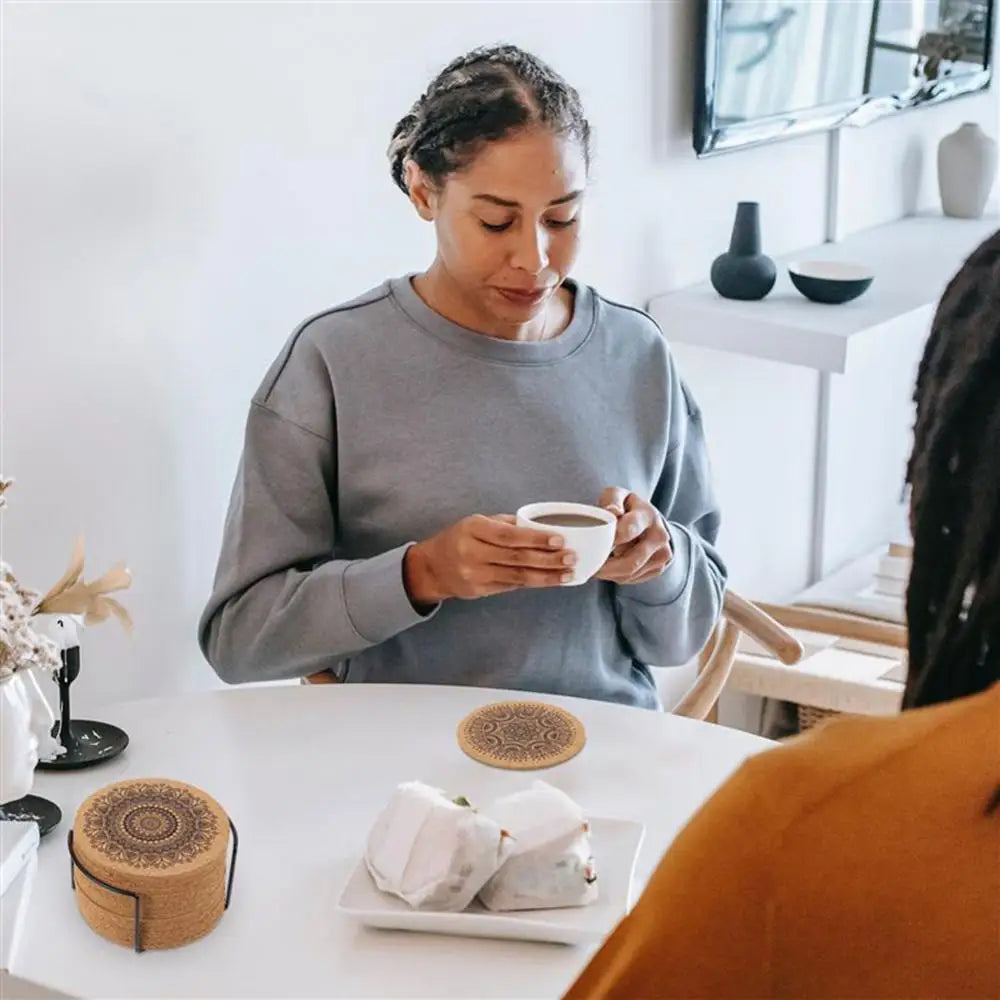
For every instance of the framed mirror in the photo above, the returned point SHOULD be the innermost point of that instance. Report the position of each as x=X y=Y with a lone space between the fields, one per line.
x=771 y=69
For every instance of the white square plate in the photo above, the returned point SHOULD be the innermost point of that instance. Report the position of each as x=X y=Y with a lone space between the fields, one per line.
x=616 y=846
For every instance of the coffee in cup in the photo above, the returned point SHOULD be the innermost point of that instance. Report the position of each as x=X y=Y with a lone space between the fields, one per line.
x=588 y=531
x=568 y=520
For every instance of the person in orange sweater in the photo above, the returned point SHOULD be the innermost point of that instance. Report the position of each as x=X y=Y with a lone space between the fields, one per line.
x=863 y=859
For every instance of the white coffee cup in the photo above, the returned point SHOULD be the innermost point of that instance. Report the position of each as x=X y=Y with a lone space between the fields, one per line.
x=592 y=543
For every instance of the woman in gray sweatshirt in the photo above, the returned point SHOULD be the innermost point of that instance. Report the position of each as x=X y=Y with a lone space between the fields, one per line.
x=370 y=531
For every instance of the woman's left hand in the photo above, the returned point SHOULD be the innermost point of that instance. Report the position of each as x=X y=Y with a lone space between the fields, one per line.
x=642 y=543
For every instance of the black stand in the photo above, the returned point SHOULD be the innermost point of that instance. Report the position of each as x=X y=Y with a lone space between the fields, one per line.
x=33 y=807
x=86 y=742
x=74 y=865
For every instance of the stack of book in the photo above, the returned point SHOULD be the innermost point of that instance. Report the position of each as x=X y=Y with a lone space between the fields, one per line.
x=18 y=861
x=893 y=572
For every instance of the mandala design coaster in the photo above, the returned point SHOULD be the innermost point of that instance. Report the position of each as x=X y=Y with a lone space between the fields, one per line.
x=151 y=824
x=521 y=735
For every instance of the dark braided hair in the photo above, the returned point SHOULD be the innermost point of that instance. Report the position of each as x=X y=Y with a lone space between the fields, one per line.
x=487 y=94
x=953 y=601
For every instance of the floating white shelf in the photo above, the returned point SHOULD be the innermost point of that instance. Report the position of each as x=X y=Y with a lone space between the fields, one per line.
x=913 y=260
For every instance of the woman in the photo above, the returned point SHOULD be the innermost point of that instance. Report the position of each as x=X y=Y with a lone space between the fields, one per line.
x=370 y=531
x=864 y=860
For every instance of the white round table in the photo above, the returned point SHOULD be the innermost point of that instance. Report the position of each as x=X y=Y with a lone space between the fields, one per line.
x=303 y=771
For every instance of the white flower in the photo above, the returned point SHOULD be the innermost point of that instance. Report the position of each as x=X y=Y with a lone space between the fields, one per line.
x=20 y=645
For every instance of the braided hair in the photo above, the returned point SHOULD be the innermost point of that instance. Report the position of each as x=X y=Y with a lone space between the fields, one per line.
x=953 y=600
x=487 y=94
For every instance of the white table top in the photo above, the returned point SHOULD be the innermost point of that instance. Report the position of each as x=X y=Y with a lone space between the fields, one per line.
x=303 y=771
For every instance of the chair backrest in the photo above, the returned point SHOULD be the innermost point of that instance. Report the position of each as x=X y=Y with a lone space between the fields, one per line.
x=830 y=621
x=322 y=677
x=716 y=660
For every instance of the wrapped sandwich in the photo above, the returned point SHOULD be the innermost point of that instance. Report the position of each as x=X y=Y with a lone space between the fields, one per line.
x=551 y=864
x=431 y=851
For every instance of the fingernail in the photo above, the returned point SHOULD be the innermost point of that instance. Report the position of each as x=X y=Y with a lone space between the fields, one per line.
x=566 y=577
x=569 y=559
x=556 y=542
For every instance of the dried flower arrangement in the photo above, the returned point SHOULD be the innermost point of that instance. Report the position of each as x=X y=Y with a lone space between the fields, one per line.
x=21 y=647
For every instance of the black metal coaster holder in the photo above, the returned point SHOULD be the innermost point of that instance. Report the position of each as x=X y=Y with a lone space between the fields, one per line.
x=137 y=937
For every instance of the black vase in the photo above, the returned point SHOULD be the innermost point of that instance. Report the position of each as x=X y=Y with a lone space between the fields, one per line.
x=744 y=272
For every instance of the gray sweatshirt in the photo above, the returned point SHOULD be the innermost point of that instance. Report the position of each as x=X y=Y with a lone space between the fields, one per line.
x=380 y=423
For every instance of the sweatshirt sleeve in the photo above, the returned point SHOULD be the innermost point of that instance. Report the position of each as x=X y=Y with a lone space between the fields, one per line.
x=667 y=620
x=282 y=606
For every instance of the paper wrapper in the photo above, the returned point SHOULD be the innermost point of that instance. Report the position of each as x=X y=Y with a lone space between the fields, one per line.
x=551 y=864
x=432 y=853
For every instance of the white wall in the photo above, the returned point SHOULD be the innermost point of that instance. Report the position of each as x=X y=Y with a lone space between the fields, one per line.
x=183 y=183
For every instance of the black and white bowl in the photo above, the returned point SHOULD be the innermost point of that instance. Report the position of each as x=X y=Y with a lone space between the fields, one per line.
x=830 y=281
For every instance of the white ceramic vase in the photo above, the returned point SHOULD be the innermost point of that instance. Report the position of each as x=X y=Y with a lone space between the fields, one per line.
x=26 y=721
x=967 y=165
x=43 y=718
x=18 y=744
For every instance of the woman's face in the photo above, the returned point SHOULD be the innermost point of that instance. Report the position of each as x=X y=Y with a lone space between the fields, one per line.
x=18 y=741
x=508 y=225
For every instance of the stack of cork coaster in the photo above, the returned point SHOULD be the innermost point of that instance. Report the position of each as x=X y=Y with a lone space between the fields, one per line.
x=149 y=862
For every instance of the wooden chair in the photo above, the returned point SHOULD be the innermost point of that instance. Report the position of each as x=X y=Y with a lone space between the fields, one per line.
x=853 y=626
x=715 y=660
x=853 y=632
x=826 y=621
x=321 y=677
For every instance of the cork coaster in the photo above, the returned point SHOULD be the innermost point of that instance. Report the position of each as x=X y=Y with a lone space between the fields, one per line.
x=163 y=840
x=155 y=905
x=156 y=932
x=521 y=735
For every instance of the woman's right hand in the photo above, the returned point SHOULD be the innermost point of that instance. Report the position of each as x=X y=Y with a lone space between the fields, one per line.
x=481 y=556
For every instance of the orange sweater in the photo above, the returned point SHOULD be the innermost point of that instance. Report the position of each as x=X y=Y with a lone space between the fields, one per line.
x=856 y=861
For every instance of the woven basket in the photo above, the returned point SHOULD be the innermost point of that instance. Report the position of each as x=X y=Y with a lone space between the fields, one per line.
x=149 y=862
x=810 y=716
